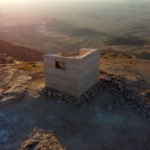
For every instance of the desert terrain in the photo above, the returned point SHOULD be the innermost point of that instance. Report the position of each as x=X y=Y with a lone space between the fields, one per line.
x=70 y=26
x=114 y=114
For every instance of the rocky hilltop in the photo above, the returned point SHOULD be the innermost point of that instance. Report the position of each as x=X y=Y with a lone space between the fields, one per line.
x=19 y=52
x=115 y=112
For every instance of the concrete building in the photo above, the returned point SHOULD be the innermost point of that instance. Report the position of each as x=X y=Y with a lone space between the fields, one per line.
x=73 y=75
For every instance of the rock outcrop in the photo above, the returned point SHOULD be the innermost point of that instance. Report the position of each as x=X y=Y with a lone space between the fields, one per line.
x=13 y=84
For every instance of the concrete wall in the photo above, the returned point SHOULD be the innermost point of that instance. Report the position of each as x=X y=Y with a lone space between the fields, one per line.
x=81 y=72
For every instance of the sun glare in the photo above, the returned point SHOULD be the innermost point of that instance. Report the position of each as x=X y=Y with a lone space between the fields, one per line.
x=12 y=1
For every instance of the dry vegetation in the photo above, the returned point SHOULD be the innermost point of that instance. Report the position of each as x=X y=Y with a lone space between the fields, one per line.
x=27 y=66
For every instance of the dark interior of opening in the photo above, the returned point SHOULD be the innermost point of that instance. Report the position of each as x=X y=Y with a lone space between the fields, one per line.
x=60 y=65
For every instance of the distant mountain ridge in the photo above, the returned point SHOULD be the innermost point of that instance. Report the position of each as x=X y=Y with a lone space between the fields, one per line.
x=131 y=41
x=20 y=52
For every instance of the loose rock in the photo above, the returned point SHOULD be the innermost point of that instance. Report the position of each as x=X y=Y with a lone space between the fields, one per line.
x=105 y=77
x=124 y=95
x=49 y=93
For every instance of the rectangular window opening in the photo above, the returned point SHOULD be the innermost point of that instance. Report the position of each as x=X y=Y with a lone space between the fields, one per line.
x=60 y=65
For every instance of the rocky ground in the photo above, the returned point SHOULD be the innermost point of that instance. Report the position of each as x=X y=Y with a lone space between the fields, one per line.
x=114 y=114
x=122 y=93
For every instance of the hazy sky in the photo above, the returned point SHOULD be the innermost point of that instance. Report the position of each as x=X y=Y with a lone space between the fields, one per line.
x=29 y=1
x=66 y=0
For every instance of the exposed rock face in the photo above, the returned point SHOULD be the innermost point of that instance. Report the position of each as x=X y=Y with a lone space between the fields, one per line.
x=13 y=84
x=40 y=140
x=14 y=93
